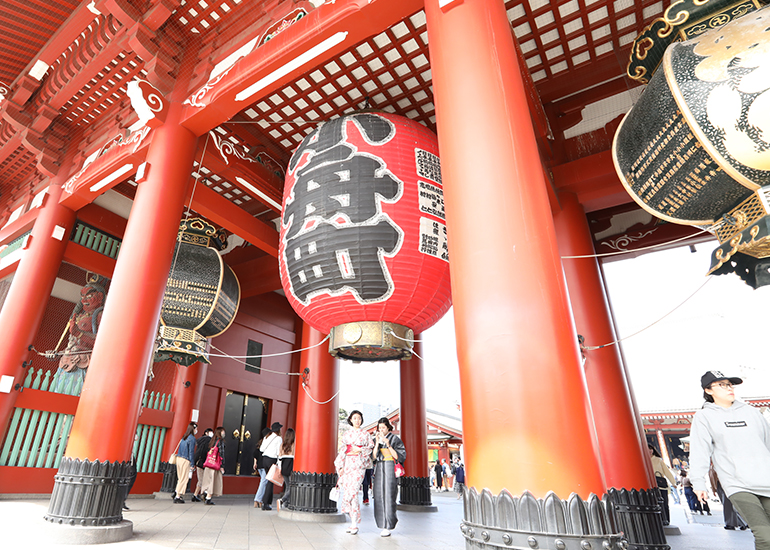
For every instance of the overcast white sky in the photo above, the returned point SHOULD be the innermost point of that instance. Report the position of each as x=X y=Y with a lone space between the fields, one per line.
x=721 y=327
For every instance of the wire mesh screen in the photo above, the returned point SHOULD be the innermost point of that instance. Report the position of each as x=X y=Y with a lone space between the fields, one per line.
x=161 y=377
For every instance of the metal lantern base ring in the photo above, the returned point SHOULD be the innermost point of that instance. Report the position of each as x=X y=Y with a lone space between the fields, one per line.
x=621 y=520
x=181 y=346
x=371 y=341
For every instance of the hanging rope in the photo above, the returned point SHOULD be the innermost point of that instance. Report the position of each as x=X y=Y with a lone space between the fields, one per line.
x=389 y=330
x=267 y=354
x=590 y=348
x=304 y=387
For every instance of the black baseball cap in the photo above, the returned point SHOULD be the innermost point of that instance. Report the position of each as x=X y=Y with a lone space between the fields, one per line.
x=714 y=375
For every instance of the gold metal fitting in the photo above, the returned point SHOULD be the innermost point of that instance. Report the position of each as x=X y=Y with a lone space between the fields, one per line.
x=371 y=341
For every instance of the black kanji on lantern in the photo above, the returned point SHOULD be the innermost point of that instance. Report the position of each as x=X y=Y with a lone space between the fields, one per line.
x=338 y=258
x=334 y=230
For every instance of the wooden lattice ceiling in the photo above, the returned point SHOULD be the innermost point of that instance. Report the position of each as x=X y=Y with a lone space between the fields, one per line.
x=575 y=50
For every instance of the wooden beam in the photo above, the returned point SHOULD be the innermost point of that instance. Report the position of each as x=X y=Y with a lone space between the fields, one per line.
x=88 y=259
x=258 y=276
x=229 y=216
x=219 y=100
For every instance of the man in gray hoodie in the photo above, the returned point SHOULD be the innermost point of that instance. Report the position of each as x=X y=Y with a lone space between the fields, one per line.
x=736 y=438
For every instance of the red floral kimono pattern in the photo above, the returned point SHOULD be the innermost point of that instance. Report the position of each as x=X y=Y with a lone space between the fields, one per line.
x=351 y=469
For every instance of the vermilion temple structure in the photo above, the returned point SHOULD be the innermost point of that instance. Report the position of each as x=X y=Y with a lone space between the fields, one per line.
x=121 y=119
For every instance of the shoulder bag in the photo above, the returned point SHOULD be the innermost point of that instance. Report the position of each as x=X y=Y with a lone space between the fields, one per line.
x=274 y=475
x=172 y=458
x=213 y=458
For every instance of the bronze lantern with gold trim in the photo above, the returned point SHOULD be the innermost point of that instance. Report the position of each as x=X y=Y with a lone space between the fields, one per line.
x=202 y=294
x=695 y=149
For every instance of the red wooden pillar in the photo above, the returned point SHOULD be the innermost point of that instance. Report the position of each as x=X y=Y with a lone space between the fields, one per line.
x=108 y=410
x=623 y=452
x=186 y=397
x=317 y=424
x=526 y=414
x=30 y=290
x=415 y=487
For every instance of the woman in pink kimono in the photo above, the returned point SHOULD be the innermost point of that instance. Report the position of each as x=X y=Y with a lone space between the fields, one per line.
x=351 y=463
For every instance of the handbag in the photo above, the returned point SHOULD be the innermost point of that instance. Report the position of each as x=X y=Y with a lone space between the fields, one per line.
x=400 y=471
x=172 y=458
x=274 y=475
x=213 y=458
x=334 y=494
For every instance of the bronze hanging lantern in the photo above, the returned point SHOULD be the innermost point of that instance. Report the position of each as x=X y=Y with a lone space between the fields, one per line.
x=202 y=294
x=695 y=149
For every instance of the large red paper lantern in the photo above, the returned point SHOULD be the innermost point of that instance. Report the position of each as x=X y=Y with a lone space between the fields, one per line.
x=363 y=253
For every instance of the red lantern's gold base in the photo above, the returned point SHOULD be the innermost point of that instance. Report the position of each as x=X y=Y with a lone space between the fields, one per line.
x=371 y=341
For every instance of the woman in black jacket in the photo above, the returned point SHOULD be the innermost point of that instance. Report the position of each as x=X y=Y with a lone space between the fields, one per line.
x=286 y=460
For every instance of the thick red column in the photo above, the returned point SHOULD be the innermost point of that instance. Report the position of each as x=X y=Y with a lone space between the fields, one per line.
x=526 y=415
x=186 y=396
x=317 y=423
x=623 y=453
x=414 y=428
x=30 y=290
x=106 y=417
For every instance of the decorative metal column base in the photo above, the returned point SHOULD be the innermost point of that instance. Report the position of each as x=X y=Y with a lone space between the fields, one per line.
x=310 y=493
x=622 y=520
x=168 y=484
x=415 y=491
x=89 y=493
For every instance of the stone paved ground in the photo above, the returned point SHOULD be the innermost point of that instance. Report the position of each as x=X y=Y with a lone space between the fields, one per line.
x=234 y=524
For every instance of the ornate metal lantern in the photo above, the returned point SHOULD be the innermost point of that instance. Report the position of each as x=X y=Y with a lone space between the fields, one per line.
x=202 y=294
x=695 y=149
x=363 y=253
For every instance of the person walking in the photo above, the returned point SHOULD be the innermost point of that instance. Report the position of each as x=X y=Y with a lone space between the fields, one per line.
x=448 y=474
x=286 y=461
x=351 y=462
x=662 y=473
x=693 y=502
x=367 y=484
x=259 y=468
x=270 y=448
x=732 y=519
x=388 y=452
x=214 y=466
x=459 y=478
x=439 y=471
x=201 y=449
x=735 y=437
x=184 y=457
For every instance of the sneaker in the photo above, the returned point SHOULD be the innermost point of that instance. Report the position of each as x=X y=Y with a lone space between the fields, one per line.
x=195 y=498
x=209 y=502
x=729 y=527
x=385 y=533
x=178 y=501
x=125 y=507
x=267 y=507
x=366 y=503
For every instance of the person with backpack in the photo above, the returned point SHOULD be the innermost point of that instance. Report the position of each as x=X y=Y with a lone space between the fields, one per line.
x=201 y=449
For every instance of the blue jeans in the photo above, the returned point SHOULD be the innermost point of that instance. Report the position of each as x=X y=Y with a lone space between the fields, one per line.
x=262 y=482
